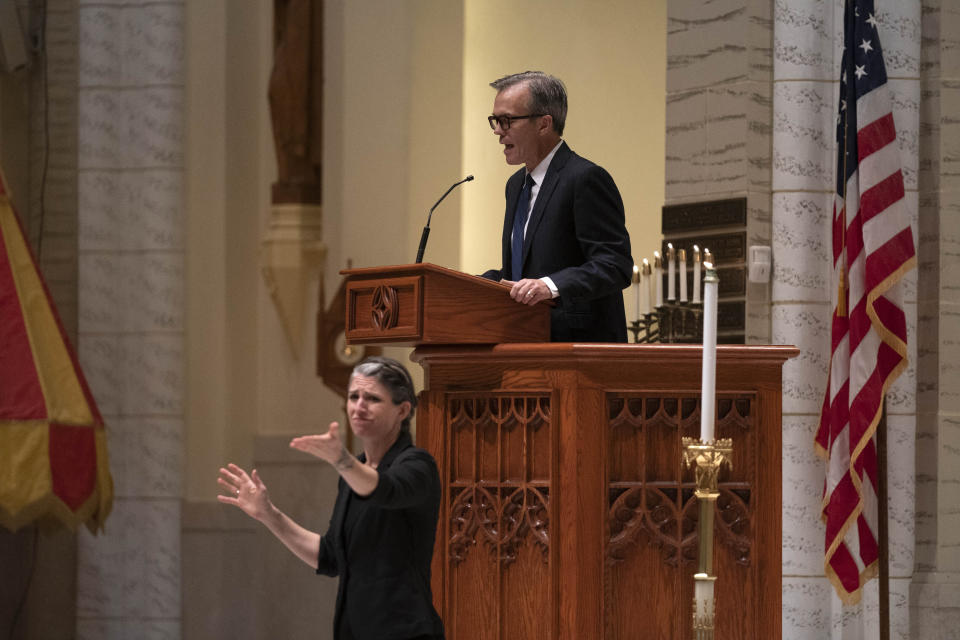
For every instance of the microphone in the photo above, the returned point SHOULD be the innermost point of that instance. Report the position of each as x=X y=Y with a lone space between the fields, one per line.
x=426 y=229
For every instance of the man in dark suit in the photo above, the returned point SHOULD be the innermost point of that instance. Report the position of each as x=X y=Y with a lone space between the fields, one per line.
x=564 y=236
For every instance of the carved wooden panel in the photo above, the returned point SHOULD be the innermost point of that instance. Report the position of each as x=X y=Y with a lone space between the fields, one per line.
x=652 y=510
x=499 y=511
x=384 y=308
x=388 y=310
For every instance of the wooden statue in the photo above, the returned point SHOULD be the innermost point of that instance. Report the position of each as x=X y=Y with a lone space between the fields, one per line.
x=296 y=100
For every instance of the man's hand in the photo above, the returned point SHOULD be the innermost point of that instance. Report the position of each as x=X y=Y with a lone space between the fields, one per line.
x=529 y=291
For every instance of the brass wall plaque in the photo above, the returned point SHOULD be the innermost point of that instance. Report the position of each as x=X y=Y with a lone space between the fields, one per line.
x=720 y=226
x=731 y=316
x=694 y=216
x=733 y=282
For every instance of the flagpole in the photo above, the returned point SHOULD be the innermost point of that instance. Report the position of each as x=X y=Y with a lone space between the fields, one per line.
x=882 y=537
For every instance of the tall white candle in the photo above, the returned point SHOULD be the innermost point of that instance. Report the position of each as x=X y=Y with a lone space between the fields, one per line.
x=646 y=275
x=671 y=273
x=682 y=255
x=658 y=277
x=709 y=374
x=636 y=289
x=696 y=274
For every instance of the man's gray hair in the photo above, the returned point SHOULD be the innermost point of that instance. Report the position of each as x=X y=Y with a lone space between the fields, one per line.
x=547 y=94
x=395 y=377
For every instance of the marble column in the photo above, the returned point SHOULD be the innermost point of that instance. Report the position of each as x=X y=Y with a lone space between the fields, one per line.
x=935 y=592
x=808 y=39
x=130 y=310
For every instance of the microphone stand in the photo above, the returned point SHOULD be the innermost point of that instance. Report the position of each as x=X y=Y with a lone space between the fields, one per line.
x=426 y=229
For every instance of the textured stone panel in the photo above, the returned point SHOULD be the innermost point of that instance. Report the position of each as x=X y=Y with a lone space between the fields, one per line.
x=146 y=456
x=131 y=210
x=899 y=30
x=705 y=44
x=725 y=155
x=901 y=488
x=806 y=608
x=949 y=392
x=936 y=612
x=804 y=37
x=124 y=629
x=949 y=252
x=804 y=131
x=905 y=104
x=155 y=121
x=131 y=291
x=686 y=145
x=803 y=532
x=152 y=44
x=950 y=133
x=807 y=326
x=132 y=570
x=100 y=39
x=131 y=374
x=130 y=128
x=802 y=247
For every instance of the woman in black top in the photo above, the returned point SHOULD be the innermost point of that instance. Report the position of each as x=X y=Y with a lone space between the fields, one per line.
x=381 y=534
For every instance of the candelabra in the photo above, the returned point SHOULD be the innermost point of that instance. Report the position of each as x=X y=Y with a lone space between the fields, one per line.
x=670 y=320
x=645 y=329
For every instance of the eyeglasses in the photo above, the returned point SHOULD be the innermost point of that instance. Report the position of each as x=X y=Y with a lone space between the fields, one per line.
x=504 y=122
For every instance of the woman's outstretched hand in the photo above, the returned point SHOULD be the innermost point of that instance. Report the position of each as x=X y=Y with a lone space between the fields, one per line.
x=326 y=446
x=362 y=478
x=245 y=491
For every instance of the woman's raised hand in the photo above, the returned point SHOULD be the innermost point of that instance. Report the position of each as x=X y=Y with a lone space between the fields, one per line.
x=326 y=446
x=245 y=491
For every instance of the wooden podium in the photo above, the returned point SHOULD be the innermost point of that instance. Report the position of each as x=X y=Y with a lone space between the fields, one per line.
x=567 y=512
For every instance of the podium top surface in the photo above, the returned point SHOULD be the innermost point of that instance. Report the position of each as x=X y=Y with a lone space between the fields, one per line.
x=424 y=267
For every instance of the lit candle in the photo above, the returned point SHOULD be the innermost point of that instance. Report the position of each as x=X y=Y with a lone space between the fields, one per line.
x=709 y=374
x=658 y=277
x=682 y=254
x=671 y=272
x=646 y=275
x=636 y=289
x=708 y=257
x=696 y=274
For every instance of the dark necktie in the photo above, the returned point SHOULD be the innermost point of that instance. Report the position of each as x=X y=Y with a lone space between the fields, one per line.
x=519 y=222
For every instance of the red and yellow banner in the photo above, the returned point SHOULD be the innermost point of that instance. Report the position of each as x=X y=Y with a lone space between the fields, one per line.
x=53 y=447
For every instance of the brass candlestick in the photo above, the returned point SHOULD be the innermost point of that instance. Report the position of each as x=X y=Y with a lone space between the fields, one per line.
x=708 y=458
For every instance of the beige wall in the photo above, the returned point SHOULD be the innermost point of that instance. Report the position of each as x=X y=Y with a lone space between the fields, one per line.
x=612 y=57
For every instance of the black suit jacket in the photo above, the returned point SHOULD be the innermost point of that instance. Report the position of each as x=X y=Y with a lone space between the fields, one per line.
x=384 y=563
x=577 y=237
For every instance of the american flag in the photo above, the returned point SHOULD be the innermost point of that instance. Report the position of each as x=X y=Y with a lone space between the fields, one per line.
x=872 y=250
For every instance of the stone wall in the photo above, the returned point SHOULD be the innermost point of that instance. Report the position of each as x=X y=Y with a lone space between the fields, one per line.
x=130 y=265
x=935 y=592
